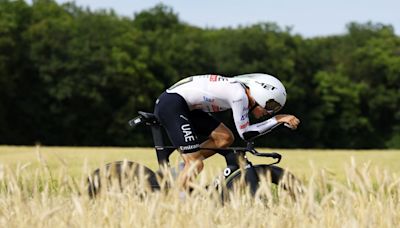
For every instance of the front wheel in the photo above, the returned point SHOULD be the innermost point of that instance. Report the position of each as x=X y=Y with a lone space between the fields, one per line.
x=271 y=181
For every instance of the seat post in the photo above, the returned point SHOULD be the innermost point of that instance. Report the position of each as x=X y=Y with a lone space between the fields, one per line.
x=162 y=152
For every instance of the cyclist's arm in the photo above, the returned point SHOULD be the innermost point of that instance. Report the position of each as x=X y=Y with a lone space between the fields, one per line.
x=246 y=131
x=258 y=129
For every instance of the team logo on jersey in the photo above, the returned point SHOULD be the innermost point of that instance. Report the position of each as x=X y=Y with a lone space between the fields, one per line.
x=187 y=133
x=217 y=78
x=189 y=147
x=244 y=116
x=207 y=99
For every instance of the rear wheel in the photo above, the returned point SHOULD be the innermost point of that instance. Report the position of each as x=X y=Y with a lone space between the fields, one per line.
x=273 y=181
x=121 y=176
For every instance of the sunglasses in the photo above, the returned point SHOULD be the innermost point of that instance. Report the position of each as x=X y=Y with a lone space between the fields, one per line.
x=272 y=106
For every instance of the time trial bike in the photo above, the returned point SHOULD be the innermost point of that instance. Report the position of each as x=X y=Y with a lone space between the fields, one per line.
x=239 y=173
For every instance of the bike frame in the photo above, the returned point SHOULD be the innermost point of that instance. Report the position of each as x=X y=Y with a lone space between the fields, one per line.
x=235 y=157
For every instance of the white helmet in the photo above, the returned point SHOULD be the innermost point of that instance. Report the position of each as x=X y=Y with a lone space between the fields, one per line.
x=267 y=90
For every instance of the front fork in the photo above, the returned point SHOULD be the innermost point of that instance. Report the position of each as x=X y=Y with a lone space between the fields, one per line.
x=251 y=177
x=235 y=161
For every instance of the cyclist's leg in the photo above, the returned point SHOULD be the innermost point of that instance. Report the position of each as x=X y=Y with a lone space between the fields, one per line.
x=193 y=165
x=220 y=137
x=218 y=134
x=182 y=127
x=174 y=115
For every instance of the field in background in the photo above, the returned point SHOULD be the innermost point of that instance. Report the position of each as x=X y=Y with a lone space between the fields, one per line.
x=41 y=186
x=300 y=162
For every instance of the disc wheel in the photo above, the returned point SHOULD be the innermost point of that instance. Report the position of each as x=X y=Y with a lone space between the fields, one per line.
x=121 y=176
x=272 y=182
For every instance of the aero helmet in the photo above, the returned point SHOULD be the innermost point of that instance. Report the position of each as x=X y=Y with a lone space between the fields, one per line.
x=266 y=90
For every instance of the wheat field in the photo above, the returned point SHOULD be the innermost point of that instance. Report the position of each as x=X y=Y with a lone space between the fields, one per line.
x=46 y=186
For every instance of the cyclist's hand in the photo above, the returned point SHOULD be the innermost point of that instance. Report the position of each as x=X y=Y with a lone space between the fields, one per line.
x=291 y=120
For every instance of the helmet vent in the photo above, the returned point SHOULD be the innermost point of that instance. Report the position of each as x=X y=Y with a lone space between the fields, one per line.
x=266 y=86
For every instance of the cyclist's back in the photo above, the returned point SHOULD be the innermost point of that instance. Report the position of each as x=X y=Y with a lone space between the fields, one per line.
x=209 y=93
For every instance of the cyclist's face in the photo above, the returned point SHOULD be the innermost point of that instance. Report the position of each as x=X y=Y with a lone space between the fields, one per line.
x=259 y=112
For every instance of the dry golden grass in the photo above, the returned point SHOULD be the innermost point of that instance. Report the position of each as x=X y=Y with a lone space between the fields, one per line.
x=43 y=187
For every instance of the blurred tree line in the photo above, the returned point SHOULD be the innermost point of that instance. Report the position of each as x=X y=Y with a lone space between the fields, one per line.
x=73 y=76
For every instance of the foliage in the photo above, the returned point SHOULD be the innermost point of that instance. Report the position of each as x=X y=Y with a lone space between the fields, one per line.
x=72 y=76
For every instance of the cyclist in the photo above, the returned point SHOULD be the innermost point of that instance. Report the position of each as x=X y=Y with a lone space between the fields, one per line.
x=184 y=111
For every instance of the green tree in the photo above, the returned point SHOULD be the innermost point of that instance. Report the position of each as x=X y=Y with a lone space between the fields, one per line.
x=376 y=63
x=19 y=83
x=73 y=76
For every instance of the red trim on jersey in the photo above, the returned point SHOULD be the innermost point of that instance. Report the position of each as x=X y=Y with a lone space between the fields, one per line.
x=213 y=78
x=243 y=126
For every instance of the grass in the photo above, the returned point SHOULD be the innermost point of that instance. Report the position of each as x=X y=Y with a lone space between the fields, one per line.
x=40 y=187
x=300 y=162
